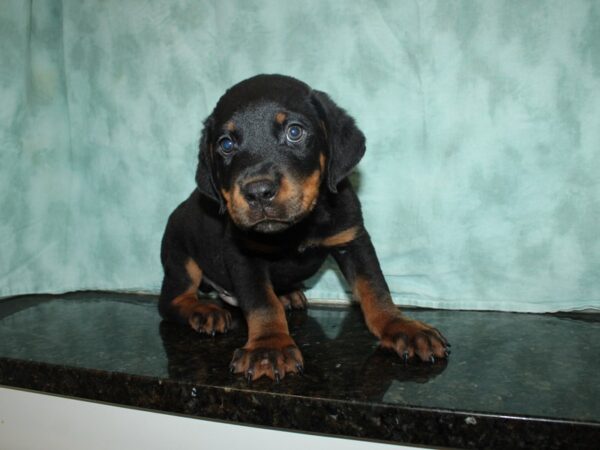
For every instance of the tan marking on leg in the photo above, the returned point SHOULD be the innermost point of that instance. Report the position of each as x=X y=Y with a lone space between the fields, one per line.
x=405 y=336
x=202 y=317
x=341 y=238
x=267 y=321
x=335 y=240
x=194 y=272
x=186 y=302
x=270 y=350
x=377 y=311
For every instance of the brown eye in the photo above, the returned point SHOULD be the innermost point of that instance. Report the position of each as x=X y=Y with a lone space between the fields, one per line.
x=294 y=133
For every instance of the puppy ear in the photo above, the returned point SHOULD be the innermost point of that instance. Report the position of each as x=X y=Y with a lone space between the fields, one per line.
x=206 y=170
x=346 y=141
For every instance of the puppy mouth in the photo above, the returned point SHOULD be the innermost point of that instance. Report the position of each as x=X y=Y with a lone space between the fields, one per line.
x=270 y=225
x=272 y=215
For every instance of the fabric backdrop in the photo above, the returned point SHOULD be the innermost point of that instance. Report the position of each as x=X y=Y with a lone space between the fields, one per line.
x=480 y=185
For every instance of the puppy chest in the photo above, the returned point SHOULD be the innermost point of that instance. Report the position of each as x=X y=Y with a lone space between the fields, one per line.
x=296 y=268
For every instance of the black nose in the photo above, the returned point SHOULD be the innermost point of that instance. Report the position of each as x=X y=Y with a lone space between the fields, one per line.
x=259 y=192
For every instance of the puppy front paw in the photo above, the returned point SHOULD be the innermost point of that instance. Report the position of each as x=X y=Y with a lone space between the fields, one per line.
x=294 y=300
x=273 y=356
x=209 y=319
x=409 y=337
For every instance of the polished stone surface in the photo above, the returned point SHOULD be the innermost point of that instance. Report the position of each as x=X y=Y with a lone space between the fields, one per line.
x=512 y=379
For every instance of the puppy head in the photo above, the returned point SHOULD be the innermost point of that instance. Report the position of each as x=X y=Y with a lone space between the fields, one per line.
x=269 y=146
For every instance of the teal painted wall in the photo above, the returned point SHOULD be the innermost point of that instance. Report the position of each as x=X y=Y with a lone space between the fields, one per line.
x=480 y=185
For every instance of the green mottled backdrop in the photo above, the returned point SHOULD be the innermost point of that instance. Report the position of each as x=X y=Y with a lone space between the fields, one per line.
x=480 y=186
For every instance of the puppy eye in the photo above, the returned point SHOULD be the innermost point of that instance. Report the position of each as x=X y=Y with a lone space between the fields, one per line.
x=226 y=145
x=294 y=133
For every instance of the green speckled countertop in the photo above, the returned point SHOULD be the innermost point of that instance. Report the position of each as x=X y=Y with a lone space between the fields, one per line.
x=512 y=379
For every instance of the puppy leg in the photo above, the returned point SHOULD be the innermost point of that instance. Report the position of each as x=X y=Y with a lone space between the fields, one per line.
x=179 y=300
x=405 y=336
x=270 y=350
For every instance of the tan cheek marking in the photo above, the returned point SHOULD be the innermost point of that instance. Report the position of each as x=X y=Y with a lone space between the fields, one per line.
x=322 y=162
x=280 y=117
x=310 y=188
x=227 y=197
x=286 y=190
x=238 y=201
x=238 y=207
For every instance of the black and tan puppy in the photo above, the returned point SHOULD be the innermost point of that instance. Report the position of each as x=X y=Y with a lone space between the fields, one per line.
x=272 y=202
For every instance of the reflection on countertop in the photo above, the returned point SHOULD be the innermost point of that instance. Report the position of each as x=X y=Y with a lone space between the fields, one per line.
x=502 y=365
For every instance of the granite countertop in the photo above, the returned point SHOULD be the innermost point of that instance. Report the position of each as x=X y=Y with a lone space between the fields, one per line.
x=512 y=381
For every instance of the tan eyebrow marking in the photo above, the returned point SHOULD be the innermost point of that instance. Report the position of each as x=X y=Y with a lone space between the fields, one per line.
x=230 y=125
x=280 y=117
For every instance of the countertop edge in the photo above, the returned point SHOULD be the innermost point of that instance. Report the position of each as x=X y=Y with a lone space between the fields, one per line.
x=381 y=422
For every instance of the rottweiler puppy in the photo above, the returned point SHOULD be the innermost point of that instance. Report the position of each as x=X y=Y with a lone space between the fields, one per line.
x=273 y=200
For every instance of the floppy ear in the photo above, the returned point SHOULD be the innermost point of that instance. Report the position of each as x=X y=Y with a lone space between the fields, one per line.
x=346 y=141
x=205 y=172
